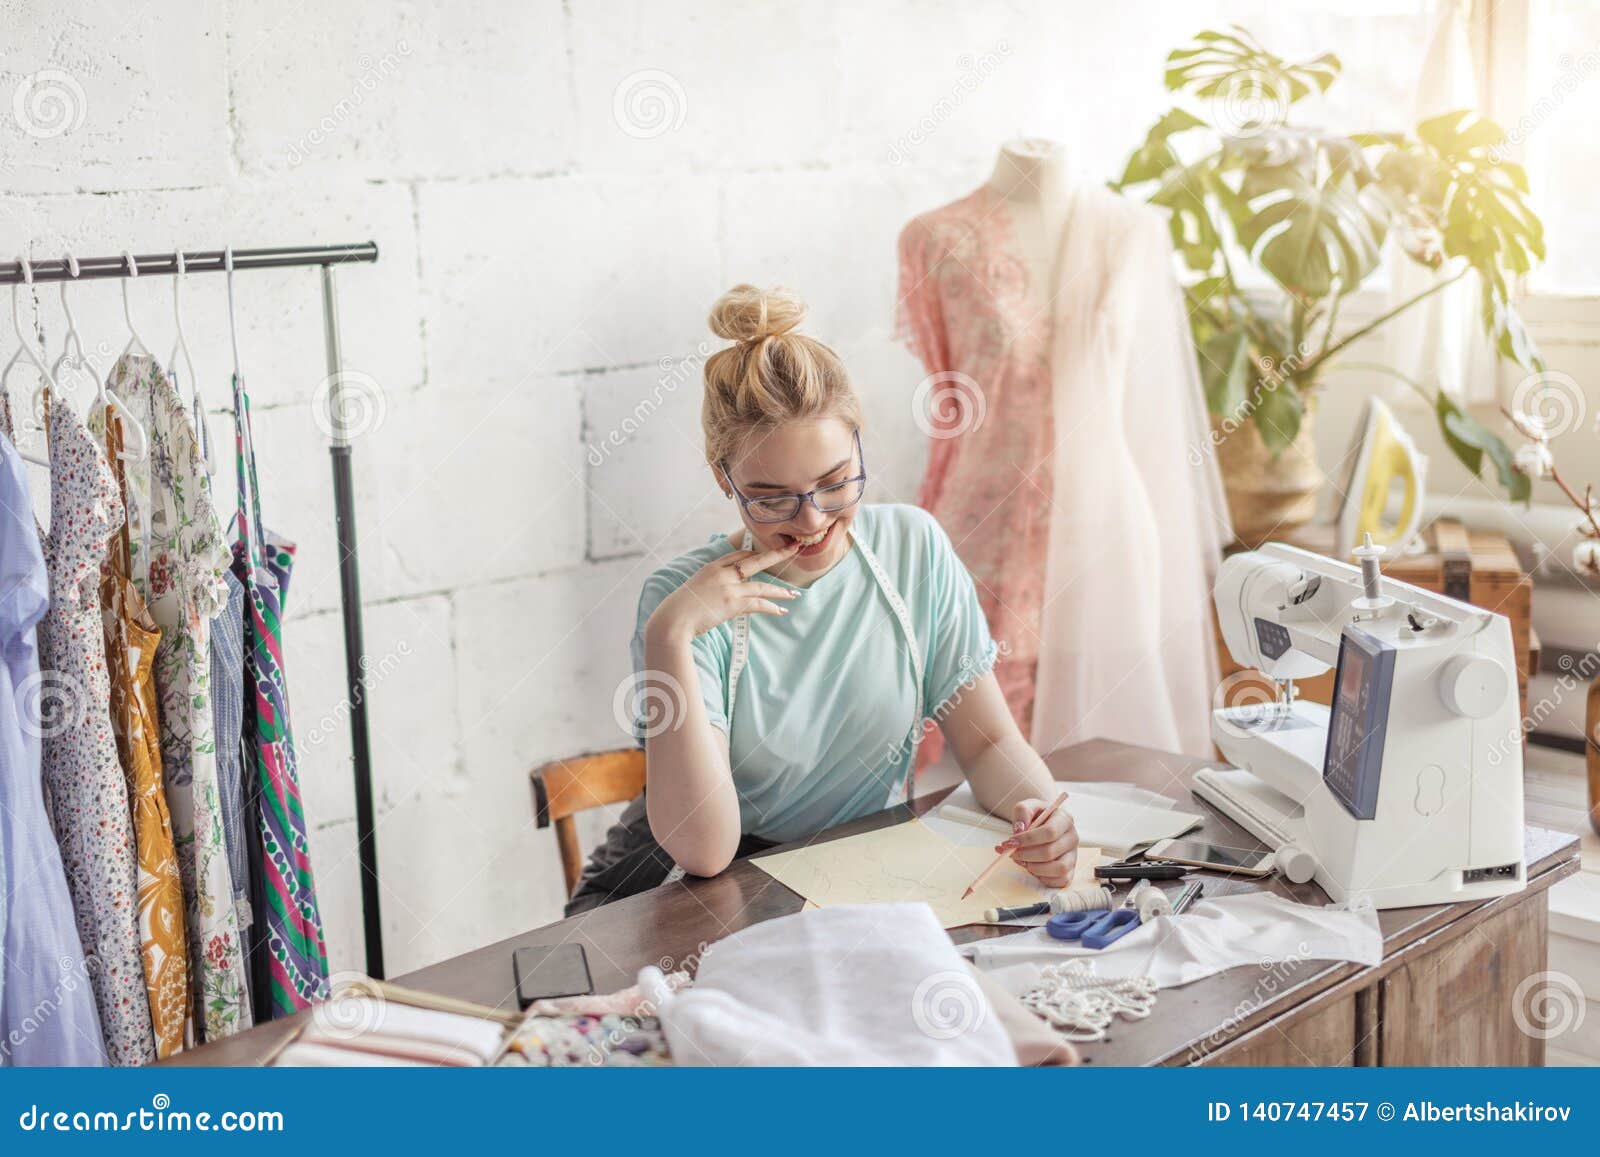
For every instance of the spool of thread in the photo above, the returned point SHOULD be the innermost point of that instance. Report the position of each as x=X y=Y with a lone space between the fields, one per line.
x=1149 y=901
x=1086 y=899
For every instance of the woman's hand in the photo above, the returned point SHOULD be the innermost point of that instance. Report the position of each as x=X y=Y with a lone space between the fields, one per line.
x=721 y=590
x=1049 y=851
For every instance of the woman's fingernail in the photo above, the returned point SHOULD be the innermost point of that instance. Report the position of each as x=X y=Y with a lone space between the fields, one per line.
x=1017 y=825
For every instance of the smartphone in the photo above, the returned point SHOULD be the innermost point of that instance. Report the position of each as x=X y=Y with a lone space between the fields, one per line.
x=545 y=971
x=1199 y=854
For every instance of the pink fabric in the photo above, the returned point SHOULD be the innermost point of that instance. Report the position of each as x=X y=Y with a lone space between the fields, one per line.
x=966 y=308
x=1070 y=462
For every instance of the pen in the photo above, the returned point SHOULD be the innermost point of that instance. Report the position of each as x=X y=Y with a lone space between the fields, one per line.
x=1038 y=821
x=1191 y=892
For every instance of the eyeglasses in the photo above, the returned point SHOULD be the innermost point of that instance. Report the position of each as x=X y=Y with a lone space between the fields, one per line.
x=828 y=499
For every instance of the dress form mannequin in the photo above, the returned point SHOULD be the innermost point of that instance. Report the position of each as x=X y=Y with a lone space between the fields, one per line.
x=1065 y=462
x=1031 y=176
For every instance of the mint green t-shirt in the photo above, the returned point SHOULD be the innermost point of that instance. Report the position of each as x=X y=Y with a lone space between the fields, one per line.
x=822 y=723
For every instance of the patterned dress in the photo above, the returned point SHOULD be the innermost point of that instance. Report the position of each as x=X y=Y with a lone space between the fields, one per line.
x=178 y=560
x=47 y=1010
x=131 y=641
x=227 y=702
x=87 y=791
x=296 y=955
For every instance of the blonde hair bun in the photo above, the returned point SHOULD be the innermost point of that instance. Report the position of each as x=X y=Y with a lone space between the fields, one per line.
x=771 y=375
x=746 y=314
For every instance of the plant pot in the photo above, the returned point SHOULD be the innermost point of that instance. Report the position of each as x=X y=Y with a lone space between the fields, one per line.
x=1269 y=496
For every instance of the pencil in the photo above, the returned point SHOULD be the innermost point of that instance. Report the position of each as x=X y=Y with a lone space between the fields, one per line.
x=1042 y=818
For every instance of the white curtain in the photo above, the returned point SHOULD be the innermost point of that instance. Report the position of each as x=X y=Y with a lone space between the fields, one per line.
x=1441 y=342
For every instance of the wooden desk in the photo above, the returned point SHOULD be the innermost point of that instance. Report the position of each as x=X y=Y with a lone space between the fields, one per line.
x=1443 y=994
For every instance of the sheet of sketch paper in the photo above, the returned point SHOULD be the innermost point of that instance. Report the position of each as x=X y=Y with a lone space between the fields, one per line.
x=910 y=862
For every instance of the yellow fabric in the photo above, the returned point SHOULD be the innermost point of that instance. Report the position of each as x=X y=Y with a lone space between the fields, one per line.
x=131 y=638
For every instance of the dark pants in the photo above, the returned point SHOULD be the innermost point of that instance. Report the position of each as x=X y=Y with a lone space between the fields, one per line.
x=631 y=861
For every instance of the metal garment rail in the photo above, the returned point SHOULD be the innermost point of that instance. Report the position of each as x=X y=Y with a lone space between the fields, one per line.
x=328 y=257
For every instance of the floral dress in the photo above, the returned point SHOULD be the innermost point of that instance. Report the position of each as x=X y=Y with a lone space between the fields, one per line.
x=294 y=971
x=131 y=641
x=41 y=965
x=85 y=786
x=178 y=560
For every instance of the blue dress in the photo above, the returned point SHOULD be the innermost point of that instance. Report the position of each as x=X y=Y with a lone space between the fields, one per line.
x=47 y=1007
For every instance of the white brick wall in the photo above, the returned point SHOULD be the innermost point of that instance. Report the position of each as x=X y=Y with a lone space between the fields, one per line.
x=543 y=264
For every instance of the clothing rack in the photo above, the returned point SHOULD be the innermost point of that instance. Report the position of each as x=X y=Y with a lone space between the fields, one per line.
x=328 y=257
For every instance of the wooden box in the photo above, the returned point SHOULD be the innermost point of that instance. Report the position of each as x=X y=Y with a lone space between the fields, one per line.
x=1476 y=566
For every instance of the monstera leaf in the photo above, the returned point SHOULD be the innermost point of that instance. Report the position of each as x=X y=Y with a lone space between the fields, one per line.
x=1312 y=210
x=1316 y=234
x=1224 y=64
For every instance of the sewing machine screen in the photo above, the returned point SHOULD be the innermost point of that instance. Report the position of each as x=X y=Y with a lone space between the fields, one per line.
x=1357 y=723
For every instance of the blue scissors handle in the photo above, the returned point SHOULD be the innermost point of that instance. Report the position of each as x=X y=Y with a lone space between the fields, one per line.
x=1093 y=929
x=1111 y=926
x=1072 y=925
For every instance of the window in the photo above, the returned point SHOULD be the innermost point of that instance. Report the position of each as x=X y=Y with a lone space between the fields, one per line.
x=1559 y=111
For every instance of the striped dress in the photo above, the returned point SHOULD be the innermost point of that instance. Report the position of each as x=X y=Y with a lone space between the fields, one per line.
x=292 y=956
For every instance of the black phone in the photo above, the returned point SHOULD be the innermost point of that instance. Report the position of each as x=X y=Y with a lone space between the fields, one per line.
x=544 y=971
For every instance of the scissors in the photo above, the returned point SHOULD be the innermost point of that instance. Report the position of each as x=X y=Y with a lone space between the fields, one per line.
x=1093 y=929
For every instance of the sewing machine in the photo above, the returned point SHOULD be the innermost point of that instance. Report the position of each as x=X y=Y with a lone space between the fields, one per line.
x=1408 y=789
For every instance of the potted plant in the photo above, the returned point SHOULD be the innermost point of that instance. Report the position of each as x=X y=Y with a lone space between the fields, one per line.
x=1311 y=212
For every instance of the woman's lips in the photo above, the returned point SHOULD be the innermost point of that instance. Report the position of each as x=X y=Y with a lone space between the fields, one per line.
x=814 y=548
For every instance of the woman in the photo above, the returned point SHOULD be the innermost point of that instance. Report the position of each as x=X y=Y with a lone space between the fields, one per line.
x=791 y=667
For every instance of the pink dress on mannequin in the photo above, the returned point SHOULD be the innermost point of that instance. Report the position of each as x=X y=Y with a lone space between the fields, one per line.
x=1070 y=462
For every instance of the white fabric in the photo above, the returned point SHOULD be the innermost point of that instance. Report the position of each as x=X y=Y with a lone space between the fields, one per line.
x=1255 y=928
x=1440 y=342
x=1126 y=649
x=869 y=984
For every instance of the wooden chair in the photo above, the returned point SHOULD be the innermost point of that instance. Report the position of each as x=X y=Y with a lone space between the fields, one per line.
x=564 y=787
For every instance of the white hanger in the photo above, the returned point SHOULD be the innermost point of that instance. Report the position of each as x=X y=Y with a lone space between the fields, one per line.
x=233 y=324
x=180 y=345
x=127 y=314
x=79 y=362
x=105 y=396
x=25 y=347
